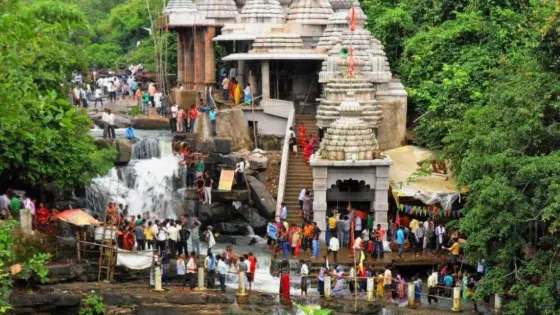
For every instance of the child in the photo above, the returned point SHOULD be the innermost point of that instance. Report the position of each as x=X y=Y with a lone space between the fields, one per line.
x=304 y=274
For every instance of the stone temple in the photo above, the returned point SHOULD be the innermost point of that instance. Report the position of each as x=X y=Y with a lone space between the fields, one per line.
x=314 y=58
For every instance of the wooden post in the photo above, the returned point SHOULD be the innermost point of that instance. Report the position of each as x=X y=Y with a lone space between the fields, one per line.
x=78 y=245
x=157 y=279
x=253 y=112
x=355 y=286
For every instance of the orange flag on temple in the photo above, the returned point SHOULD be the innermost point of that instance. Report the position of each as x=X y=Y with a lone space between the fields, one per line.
x=353 y=19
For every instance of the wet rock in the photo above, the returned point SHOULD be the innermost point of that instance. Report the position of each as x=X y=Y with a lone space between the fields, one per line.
x=150 y=122
x=205 y=146
x=265 y=204
x=222 y=145
x=230 y=159
x=225 y=239
x=262 y=176
x=214 y=157
x=185 y=299
x=255 y=220
x=215 y=213
x=258 y=161
x=68 y=204
x=244 y=240
x=241 y=195
x=122 y=146
x=271 y=142
x=235 y=227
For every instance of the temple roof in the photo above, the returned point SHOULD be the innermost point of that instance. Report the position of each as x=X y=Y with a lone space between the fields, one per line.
x=219 y=10
x=262 y=11
x=180 y=6
x=310 y=12
x=280 y=41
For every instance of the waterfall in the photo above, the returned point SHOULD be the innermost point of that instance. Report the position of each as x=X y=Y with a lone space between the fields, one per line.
x=146 y=148
x=150 y=183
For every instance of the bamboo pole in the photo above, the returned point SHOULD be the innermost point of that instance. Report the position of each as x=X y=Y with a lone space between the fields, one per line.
x=355 y=285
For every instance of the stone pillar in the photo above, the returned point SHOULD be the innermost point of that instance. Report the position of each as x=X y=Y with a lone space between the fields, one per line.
x=180 y=58
x=497 y=304
x=241 y=73
x=25 y=220
x=241 y=291
x=157 y=279
x=456 y=299
x=320 y=175
x=188 y=56
x=253 y=81
x=410 y=293
x=370 y=289
x=265 y=72
x=209 y=59
x=327 y=287
x=201 y=282
x=199 y=59
x=381 y=203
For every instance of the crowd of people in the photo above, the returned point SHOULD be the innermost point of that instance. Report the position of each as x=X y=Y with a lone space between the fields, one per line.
x=232 y=91
x=11 y=203
x=307 y=143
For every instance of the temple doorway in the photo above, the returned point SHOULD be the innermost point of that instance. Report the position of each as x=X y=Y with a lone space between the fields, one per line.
x=357 y=193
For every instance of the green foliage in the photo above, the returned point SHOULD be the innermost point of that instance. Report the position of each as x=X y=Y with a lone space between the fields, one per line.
x=32 y=262
x=135 y=111
x=43 y=137
x=482 y=78
x=92 y=304
x=313 y=309
x=104 y=55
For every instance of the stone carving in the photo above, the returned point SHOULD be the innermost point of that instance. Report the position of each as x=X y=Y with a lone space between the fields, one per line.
x=220 y=10
x=349 y=137
x=176 y=6
x=262 y=11
x=315 y=12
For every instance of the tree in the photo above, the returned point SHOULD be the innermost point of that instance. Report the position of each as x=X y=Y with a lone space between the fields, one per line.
x=43 y=138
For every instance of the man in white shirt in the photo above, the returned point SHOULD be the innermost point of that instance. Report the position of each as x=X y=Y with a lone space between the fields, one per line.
x=222 y=272
x=432 y=287
x=440 y=232
x=334 y=246
x=161 y=237
x=111 y=122
x=173 y=120
x=301 y=196
x=357 y=225
x=239 y=171
x=225 y=88
x=105 y=120
x=97 y=96
x=284 y=212
x=358 y=246
x=29 y=204
x=304 y=272
x=173 y=236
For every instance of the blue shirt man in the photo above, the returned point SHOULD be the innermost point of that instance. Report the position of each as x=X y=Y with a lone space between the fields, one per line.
x=400 y=237
x=130 y=132
x=212 y=115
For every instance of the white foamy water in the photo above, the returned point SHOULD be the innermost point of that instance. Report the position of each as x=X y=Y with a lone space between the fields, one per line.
x=151 y=182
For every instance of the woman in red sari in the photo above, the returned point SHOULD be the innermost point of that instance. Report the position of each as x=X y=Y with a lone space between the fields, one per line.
x=232 y=85
x=42 y=214
x=128 y=240
x=308 y=150
x=302 y=138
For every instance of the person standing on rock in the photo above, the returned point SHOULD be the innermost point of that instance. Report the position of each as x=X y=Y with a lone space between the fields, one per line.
x=140 y=237
x=173 y=119
x=212 y=116
x=182 y=246
x=199 y=168
x=149 y=236
x=97 y=95
x=181 y=270
x=193 y=113
x=105 y=120
x=208 y=182
x=173 y=237
x=252 y=269
x=192 y=270
x=195 y=235
x=239 y=171
x=180 y=117
x=151 y=93
x=111 y=121
x=222 y=272
x=209 y=237
x=210 y=265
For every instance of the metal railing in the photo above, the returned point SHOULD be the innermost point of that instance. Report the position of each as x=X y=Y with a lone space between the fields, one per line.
x=284 y=164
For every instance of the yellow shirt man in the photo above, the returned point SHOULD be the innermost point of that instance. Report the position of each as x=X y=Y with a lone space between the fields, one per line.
x=332 y=223
x=454 y=249
x=149 y=233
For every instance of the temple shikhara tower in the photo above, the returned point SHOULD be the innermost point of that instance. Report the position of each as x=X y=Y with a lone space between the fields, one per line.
x=313 y=56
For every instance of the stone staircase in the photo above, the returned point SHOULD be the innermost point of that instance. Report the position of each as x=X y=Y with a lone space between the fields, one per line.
x=299 y=174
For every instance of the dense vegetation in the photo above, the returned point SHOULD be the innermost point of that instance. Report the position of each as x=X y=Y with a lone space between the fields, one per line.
x=482 y=77
x=44 y=138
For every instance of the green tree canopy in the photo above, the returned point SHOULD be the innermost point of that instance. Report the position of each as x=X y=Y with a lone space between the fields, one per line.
x=43 y=137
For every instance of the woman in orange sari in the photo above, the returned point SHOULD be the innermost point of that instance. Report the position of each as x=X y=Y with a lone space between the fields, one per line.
x=302 y=138
x=308 y=151
x=232 y=86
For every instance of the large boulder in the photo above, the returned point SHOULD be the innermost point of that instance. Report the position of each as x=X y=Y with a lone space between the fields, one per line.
x=255 y=220
x=230 y=159
x=258 y=161
x=205 y=146
x=122 y=146
x=223 y=145
x=150 y=122
x=215 y=213
x=234 y=227
x=264 y=202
